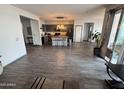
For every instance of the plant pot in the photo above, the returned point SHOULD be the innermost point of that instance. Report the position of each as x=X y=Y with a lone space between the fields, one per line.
x=97 y=52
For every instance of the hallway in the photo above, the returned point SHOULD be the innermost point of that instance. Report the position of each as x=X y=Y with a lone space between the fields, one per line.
x=63 y=63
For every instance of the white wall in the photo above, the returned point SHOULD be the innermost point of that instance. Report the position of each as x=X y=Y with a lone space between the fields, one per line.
x=95 y=16
x=12 y=44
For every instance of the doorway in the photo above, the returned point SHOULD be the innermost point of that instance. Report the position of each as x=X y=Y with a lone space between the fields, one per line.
x=31 y=32
x=27 y=31
x=116 y=39
x=88 y=29
x=112 y=45
x=78 y=33
x=117 y=55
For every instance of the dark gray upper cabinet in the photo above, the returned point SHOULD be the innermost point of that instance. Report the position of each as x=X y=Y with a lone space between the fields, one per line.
x=52 y=28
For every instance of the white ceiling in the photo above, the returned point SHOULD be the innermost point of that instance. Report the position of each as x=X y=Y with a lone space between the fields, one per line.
x=51 y=11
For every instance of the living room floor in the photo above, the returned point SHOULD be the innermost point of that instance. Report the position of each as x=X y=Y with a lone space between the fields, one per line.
x=58 y=63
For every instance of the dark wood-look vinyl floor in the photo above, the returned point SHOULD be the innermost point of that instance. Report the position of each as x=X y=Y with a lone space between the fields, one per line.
x=75 y=63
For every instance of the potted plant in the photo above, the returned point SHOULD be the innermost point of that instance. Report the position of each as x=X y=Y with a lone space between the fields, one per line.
x=97 y=37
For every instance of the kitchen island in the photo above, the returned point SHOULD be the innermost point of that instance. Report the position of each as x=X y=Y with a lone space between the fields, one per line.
x=59 y=41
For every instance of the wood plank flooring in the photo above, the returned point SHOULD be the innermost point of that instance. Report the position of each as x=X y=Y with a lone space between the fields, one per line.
x=45 y=83
x=71 y=64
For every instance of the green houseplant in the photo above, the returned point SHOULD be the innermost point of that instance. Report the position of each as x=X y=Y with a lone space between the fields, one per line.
x=97 y=37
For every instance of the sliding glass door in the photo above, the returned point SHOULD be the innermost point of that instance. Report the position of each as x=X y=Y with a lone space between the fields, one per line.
x=114 y=29
x=113 y=33
x=119 y=43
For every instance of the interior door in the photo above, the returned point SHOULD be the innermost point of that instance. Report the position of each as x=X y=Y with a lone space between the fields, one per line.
x=78 y=33
x=35 y=32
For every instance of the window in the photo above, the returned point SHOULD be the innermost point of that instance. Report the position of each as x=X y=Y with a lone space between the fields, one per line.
x=119 y=44
x=114 y=29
